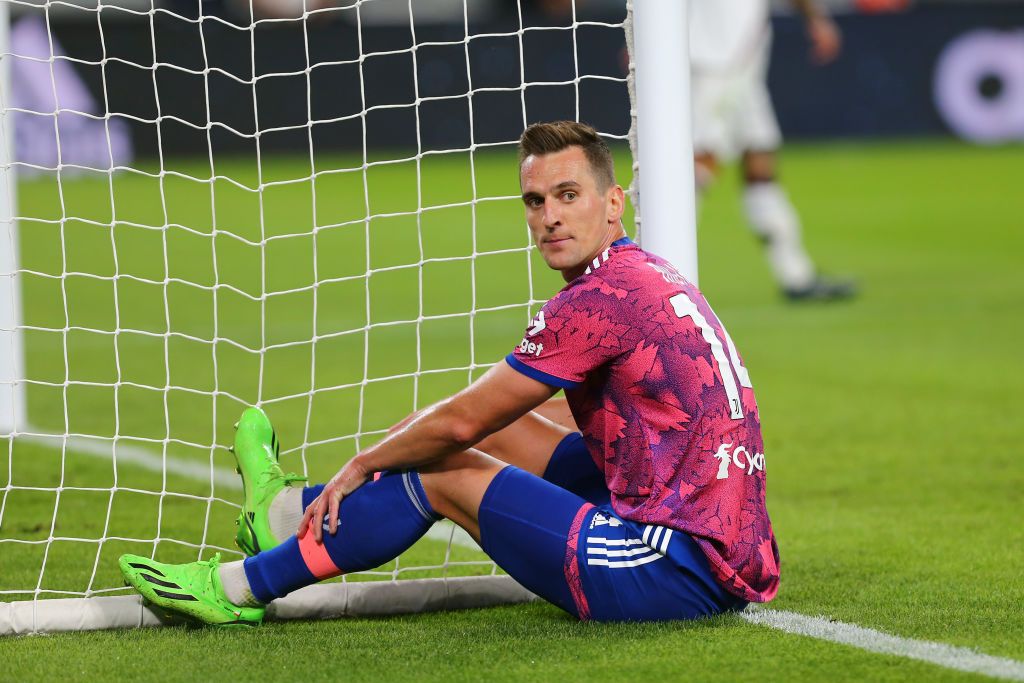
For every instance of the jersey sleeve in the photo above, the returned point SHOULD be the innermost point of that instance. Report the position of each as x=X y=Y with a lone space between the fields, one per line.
x=573 y=334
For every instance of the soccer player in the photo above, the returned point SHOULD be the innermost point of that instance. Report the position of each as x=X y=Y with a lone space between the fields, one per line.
x=732 y=115
x=654 y=509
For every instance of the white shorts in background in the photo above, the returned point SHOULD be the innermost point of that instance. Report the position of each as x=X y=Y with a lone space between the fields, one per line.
x=732 y=110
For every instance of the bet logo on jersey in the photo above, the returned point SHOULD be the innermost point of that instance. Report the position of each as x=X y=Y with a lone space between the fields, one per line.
x=532 y=348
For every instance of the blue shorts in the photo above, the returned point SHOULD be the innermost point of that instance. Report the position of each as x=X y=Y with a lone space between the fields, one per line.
x=559 y=537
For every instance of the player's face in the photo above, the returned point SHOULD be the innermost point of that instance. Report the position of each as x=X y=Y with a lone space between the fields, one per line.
x=571 y=218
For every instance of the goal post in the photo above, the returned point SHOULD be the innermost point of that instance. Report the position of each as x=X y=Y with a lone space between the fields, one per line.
x=663 y=143
x=273 y=262
x=12 y=366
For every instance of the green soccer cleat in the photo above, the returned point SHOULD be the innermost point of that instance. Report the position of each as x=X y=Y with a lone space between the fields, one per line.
x=192 y=589
x=256 y=454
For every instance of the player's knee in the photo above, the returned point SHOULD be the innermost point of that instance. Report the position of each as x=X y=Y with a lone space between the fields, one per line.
x=705 y=170
x=758 y=167
x=457 y=482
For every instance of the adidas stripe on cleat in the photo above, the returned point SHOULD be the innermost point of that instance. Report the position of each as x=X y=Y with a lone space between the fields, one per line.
x=192 y=590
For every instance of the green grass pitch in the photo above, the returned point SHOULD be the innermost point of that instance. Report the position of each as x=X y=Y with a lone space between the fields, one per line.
x=891 y=423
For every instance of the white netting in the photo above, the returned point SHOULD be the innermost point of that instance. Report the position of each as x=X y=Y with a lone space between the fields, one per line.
x=321 y=218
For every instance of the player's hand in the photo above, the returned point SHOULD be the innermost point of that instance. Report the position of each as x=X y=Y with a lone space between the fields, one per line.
x=826 y=40
x=348 y=479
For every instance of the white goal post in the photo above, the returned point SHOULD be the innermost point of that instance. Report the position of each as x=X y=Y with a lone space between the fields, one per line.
x=12 y=363
x=144 y=304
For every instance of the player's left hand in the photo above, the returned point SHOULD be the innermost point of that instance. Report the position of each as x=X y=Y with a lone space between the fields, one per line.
x=348 y=479
x=826 y=40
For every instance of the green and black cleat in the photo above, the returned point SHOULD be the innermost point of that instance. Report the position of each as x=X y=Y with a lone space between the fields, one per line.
x=256 y=452
x=192 y=590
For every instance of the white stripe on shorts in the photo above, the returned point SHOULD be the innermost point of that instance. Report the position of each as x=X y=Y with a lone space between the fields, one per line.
x=624 y=563
x=617 y=553
x=616 y=541
x=664 y=540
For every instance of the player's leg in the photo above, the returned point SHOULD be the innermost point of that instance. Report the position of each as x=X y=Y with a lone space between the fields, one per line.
x=705 y=169
x=379 y=521
x=557 y=410
x=273 y=507
x=769 y=211
x=524 y=523
x=583 y=558
x=466 y=487
x=541 y=534
x=234 y=592
x=710 y=106
x=555 y=451
x=271 y=512
x=533 y=428
x=773 y=218
x=631 y=571
x=527 y=525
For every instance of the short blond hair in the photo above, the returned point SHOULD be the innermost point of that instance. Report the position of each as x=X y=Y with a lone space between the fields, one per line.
x=548 y=138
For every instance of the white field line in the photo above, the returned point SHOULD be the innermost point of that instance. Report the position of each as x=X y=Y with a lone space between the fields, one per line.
x=822 y=628
x=948 y=656
x=139 y=456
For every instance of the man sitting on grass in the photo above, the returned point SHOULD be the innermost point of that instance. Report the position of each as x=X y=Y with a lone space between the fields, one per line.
x=654 y=509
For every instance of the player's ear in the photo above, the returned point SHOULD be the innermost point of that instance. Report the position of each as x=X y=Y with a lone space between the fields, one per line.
x=615 y=203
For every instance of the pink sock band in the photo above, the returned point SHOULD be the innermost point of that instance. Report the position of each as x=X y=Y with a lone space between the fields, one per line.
x=314 y=554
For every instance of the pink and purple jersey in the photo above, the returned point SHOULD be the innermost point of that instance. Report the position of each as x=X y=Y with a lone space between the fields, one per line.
x=665 y=406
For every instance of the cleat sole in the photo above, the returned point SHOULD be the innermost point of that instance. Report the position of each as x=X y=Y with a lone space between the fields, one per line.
x=238 y=625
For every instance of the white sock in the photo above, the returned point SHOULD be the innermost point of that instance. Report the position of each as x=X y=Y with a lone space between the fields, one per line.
x=285 y=513
x=236 y=585
x=773 y=218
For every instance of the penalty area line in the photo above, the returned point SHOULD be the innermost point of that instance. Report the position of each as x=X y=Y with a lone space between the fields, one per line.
x=822 y=628
x=947 y=656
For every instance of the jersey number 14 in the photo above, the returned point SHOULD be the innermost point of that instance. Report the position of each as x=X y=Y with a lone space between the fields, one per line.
x=729 y=367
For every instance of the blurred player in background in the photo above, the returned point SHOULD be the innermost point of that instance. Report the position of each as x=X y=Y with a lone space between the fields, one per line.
x=654 y=509
x=730 y=44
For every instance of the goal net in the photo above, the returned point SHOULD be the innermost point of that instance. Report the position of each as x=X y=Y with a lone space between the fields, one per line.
x=308 y=207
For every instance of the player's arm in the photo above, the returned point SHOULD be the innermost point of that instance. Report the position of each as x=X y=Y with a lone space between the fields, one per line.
x=826 y=40
x=494 y=401
x=555 y=409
